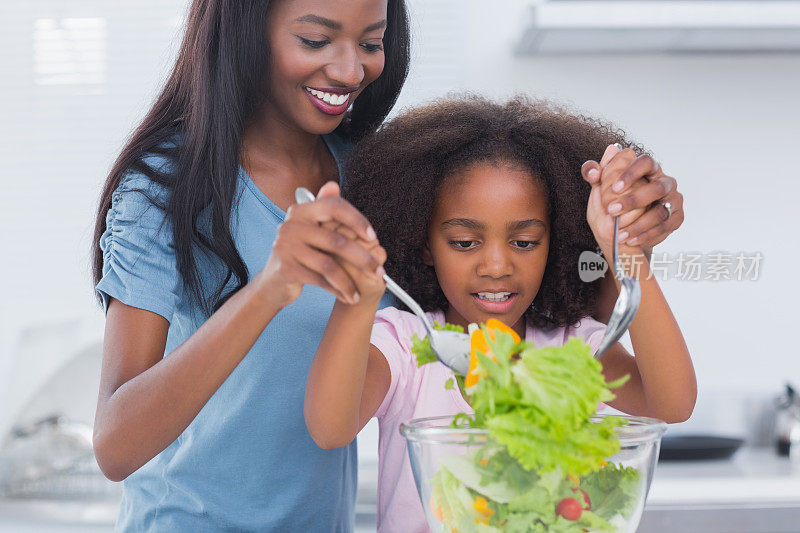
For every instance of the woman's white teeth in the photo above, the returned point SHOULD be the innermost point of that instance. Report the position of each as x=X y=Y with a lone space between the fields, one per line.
x=494 y=296
x=329 y=98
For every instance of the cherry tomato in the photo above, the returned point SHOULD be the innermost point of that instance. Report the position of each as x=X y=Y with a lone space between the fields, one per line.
x=569 y=509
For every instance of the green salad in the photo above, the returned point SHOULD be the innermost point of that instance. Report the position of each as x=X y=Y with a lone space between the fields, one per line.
x=544 y=468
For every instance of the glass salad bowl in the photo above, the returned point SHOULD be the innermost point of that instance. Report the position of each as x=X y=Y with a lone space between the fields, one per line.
x=466 y=482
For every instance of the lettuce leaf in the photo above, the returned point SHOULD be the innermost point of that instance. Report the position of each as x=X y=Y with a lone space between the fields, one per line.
x=421 y=348
x=540 y=405
x=613 y=490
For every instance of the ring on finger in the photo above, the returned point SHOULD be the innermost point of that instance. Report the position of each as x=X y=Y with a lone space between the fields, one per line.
x=668 y=207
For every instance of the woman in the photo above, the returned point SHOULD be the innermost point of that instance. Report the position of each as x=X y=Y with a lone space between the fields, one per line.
x=200 y=263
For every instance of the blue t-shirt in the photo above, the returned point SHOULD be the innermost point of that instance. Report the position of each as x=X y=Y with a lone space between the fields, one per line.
x=246 y=462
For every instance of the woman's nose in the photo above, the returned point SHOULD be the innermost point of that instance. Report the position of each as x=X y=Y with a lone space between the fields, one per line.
x=495 y=262
x=346 y=69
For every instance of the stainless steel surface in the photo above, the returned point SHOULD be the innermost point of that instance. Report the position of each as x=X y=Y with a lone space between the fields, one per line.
x=451 y=347
x=630 y=295
x=52 y=459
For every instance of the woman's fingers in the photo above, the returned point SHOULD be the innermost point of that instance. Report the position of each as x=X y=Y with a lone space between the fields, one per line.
x=329 y=188
x=373 y=247
x=316 y=239
x=338 y=245
x=614 y=168
x=323 y=251
x=655 y=225
x=336 y=226
x=369 y=287
x=330 y=244
x=634 y=189
x=642 y=196
x=294 y=263
x=331 y=273
x=332 y=207
x=610 y=173
x=306 y=276
x=643 y=166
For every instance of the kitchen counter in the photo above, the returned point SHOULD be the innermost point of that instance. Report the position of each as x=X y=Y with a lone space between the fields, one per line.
x=754 y=492
x=752 y=476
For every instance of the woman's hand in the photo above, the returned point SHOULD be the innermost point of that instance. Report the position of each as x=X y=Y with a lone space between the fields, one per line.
x=597 y=214
x=370 y=286
x=639 y=188
x=308 y=251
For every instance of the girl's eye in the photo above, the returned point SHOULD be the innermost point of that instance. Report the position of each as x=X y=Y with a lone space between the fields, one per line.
x=313 y=44
x=462 y=245
x=525 y=245
x=371 y=47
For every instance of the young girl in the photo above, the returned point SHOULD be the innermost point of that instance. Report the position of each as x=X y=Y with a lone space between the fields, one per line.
x=483 y=213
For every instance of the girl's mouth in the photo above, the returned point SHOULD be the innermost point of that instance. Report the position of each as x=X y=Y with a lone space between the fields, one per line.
x=330 y=103
x=495 y=302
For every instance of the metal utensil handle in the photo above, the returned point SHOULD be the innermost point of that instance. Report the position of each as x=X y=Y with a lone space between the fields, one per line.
x=412 y=304
x=617 y=266
x=608 y=341
x=302 y=196
x=613 y=331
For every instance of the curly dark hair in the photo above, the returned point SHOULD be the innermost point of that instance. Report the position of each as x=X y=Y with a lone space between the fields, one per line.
x=394 y=176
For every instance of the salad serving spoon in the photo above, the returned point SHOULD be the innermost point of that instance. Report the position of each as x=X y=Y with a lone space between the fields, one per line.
x=630 y=294
x=451 y=347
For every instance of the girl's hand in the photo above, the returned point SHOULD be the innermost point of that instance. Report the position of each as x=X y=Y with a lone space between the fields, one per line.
x=643 y=190
x=307 y=252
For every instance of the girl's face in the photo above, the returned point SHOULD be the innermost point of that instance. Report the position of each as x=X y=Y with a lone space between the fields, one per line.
x=488 y=242
x=323 y=54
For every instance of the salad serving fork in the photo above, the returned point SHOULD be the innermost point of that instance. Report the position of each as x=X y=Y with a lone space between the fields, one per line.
x=630 y=295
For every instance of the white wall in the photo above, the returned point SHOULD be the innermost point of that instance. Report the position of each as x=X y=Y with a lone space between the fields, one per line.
x=76 y=76
x=725 y=126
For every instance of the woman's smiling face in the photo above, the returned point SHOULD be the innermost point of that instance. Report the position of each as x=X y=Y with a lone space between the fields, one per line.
x=488 y=241
x=323 y=54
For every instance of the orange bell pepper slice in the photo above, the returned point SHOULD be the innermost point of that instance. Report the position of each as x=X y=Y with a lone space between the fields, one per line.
x=478 y=343
x=481 y=505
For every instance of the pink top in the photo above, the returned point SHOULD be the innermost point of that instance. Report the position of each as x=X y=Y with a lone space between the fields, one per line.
x=418 y=392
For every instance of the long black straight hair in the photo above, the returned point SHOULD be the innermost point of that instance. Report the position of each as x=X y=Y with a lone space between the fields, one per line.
x=217 y=84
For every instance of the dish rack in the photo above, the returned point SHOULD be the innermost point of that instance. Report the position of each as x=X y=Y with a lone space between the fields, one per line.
x=53 y=459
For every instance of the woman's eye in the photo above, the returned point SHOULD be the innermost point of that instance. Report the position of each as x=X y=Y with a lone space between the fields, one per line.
x=313 y=44
x=464 y=245
x=371 y=47
x=525 y=244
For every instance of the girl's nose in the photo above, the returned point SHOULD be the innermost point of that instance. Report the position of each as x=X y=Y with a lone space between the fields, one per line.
x=346 y=69
x=495 y=262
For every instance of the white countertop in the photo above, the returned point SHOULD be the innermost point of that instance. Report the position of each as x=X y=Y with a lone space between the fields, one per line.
x=753 y=476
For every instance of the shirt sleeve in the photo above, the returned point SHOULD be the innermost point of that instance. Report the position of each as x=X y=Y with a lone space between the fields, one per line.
x=139 y=265
x=388 y=336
